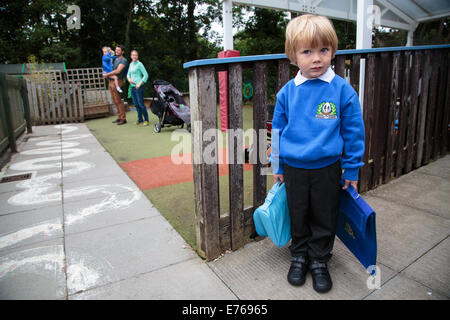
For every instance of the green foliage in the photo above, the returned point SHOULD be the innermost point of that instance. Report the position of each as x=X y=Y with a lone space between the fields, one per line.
x=264 y=33
x=166 y=33
x=434 y=32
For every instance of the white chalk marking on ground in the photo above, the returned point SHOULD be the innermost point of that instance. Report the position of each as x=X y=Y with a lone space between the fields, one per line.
x=83 y=272
x=110 y=203
x=47 y=228
x=43 y=189
x=87 y=271
x=47 y=189
x=80 y=277
x=27 y=261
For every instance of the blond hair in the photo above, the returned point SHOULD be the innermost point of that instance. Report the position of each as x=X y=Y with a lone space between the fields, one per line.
x=309 y=31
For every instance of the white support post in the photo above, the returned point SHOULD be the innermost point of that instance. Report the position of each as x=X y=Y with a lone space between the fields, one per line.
x=409 y=39
x=364 y=23
x=227 y=13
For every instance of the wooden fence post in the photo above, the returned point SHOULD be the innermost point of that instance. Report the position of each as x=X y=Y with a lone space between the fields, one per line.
x=441 y=108
x=282 y=73
x=395 y=91
x=202 y=91
x=368 y=110
x=259 y=125
x=431 y=110
x=235 y=149
x=402 y=114
x=339 y=66
x=80 y=102
x=26 y=105
x=444 y=147
x=417 y=57
x=422 y=109
x=7 y=106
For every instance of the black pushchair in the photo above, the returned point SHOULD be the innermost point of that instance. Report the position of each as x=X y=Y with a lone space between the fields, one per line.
x=170 y=107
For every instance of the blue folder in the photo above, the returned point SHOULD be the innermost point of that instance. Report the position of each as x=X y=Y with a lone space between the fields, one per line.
x=356 y=227
x=272 y=217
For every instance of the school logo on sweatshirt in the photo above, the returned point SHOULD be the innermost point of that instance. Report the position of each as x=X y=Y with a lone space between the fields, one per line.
x=326 y=110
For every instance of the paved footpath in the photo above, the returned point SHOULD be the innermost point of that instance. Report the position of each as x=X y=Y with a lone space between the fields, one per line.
x=81 y=229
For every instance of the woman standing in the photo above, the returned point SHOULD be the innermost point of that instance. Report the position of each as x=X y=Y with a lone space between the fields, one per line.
x=137 y=76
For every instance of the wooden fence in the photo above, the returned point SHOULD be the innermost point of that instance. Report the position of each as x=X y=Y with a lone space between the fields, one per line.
x=72 y=96
x=14 y=111
x=96 y=97
x=405 y=109
x=55 y=102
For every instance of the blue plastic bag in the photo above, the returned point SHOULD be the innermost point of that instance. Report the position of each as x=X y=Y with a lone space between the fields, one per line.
x=356 y=227
x=272 y=218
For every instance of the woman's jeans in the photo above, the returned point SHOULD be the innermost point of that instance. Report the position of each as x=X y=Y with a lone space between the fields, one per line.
x=138 y=101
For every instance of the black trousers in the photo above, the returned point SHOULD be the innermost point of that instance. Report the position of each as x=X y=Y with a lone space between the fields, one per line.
x=313 y=200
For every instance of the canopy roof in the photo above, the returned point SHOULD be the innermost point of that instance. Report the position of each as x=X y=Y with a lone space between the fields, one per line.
x=399 y=14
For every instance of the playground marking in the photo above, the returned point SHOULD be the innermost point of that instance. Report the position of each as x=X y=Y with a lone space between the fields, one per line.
x=83 y=271
x=161 y=171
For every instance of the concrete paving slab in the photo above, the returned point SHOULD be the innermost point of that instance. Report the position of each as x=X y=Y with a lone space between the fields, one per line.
x=404 y=233
x=38 y=178
x=35 y=272
x=109 y=210
x=72 y=128
x=188 y=280
x=93 y=166
x=46 y=130
x=440 y=168
x=432 y=269
x=32 y=142
x=99 y=158
x=36 y=159
x=124 y=250
x=84 y=140
x=29 y=199
x=23 y=228
x=9 y=186
x=259 y=271
x=95 y=187
x=422 y=191
x=402 y=288
x=121 y=179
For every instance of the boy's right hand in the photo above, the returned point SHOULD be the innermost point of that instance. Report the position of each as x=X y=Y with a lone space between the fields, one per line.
x=278 y=177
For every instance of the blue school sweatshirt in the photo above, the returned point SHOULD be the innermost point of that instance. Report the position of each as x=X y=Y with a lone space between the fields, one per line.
x=318 y=121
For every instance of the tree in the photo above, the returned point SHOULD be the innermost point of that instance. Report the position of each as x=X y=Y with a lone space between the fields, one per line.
x=263 y=34
x=433 y=32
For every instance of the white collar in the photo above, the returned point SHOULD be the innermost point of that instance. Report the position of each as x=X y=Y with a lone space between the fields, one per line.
x=327 y=77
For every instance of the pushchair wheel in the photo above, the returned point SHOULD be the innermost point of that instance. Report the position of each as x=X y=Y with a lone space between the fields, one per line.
x=188 y=127
x=157 y=127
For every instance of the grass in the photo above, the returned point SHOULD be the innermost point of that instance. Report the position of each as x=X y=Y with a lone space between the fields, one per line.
x=175 y=202
x=131 y=142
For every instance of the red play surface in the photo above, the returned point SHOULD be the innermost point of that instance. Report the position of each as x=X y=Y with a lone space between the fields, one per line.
x=162 y=171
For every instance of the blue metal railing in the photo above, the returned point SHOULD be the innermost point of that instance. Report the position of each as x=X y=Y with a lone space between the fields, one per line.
x=278 y=56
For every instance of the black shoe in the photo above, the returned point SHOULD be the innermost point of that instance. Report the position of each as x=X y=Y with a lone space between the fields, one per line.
x=121 y=121
x=297 y=271
x=115 y=121
x=321 y=277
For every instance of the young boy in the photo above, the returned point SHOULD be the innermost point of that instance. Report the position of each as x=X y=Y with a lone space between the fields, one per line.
x=317 y=128
x=107 y=64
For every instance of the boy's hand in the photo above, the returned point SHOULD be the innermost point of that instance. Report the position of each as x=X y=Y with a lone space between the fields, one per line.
x=278 y=177
x=354 y=184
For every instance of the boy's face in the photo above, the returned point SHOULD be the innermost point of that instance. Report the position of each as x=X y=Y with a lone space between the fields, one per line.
x=105 y=51
x=313 y=62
